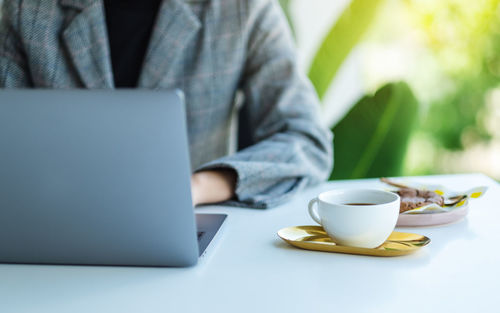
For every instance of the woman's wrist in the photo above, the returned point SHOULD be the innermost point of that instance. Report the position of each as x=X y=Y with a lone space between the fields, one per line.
x=213 y=186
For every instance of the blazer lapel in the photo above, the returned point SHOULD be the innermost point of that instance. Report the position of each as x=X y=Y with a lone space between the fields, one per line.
x=176 y=24
x=86 y=40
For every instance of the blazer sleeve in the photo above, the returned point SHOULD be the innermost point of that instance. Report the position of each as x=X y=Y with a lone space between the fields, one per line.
x=291 y=149
x=13 y=64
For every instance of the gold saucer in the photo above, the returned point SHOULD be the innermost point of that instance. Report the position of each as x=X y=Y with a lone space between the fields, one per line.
x=315 y=238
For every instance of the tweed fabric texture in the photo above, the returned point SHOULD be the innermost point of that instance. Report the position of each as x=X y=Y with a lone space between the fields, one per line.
x=210 y=49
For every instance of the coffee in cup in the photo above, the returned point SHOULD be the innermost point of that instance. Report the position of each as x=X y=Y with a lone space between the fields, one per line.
x=356 y=217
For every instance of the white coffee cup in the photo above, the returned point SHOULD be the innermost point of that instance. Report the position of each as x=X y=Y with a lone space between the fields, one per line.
x=356 y=217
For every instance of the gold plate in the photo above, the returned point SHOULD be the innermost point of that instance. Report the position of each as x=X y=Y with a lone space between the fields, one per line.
x=315 y=238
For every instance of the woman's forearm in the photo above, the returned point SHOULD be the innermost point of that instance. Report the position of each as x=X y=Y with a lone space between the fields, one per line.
x=213 y=186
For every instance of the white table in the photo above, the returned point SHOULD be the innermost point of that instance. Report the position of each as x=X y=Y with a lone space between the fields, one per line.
x=251 y=270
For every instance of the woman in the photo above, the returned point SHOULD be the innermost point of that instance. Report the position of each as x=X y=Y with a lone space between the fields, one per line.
x=213 y=50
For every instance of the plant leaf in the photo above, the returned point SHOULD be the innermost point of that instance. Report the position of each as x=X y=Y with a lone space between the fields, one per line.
x=342 y=38
x=285 y=5
x=372 y=139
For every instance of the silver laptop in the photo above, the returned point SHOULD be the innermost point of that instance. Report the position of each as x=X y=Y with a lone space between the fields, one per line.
x=97 y=177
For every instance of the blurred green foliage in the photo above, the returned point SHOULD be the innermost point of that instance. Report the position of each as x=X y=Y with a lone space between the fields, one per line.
x=371 y=140
x=464 y=37
x=452 y=54
x=341 y=39
x=285 y=4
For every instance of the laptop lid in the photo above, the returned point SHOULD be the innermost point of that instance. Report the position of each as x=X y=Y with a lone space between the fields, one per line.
x=95 y=177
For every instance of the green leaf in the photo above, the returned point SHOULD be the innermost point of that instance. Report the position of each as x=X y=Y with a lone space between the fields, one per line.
x=285 y=5
x=342 y=38
x=372 y=139
x=390 y=249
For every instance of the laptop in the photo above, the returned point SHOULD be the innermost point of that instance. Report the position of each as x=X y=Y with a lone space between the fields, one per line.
x=98 y=178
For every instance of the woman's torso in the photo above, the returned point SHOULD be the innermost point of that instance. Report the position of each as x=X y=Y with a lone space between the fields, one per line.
x=198 y=47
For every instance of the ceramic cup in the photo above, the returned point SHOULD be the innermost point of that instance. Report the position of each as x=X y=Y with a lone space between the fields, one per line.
x=356 y=217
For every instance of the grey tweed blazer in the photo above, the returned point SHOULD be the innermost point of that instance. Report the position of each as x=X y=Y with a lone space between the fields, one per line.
x=210 y=49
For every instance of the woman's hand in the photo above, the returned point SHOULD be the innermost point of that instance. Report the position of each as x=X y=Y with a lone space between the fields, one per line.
x=213 y=186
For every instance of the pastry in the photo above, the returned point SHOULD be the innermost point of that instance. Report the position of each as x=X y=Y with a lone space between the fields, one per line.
x=412 y=198
x=415 y=198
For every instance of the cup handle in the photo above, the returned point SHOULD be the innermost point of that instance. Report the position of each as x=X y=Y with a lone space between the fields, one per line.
x=313 y=212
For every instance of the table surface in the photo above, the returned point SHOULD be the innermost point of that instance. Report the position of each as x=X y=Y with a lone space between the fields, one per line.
x=250 y=269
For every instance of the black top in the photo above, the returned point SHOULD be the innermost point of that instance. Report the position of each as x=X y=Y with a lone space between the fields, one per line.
x=130 y=24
